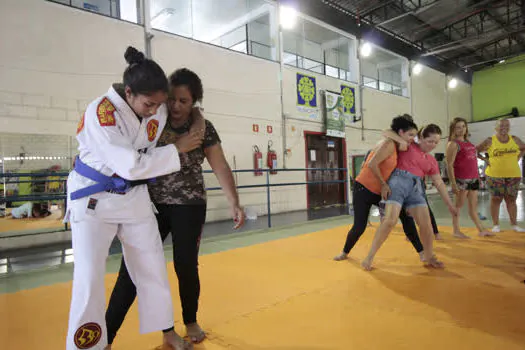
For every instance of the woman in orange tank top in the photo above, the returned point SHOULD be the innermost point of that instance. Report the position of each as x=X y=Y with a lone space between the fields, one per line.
x=371 y=185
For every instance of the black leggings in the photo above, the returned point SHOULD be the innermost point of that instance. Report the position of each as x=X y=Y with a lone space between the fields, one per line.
x=362 y=200
x=185 y=223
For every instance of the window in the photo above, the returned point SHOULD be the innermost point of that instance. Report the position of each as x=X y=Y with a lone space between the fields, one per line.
x=121 y=9
x=226 y=23
x=370 y=82
x=385 y=71
x=318 y=49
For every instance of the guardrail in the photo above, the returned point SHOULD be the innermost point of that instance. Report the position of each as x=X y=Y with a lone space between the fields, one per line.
x=268 y=184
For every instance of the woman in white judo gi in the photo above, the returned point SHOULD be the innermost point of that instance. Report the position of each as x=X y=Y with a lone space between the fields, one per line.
x=108 y=196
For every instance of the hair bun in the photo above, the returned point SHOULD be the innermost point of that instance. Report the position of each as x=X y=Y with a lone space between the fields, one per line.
x=132 y=55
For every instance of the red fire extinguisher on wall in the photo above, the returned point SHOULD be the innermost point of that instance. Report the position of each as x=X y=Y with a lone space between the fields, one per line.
x=271 y=159
x=257 y=161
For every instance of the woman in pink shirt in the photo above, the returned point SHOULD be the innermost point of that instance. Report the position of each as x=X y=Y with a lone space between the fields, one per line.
x=462 y=166
x=405 y=188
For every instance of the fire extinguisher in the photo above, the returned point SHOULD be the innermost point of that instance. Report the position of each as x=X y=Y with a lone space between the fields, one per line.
x=271 y=159
x=257 y=161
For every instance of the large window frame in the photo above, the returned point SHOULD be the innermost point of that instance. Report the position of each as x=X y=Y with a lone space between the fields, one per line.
x=323 y=67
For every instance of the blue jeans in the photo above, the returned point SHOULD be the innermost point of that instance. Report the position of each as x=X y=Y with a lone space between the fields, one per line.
x=406 y=190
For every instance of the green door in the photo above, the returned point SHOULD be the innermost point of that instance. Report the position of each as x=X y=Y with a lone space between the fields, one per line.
x=357 y=163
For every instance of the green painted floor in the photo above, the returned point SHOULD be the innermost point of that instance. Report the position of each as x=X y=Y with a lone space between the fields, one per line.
x=13 y=282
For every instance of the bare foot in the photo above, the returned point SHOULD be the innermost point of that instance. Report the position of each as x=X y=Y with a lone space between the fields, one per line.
x=438 y=237
x=367 y=264
x=108 y=347
x=342 y=256
x=486 y=233
x=195 y=333
x=421 y=256
x=460 y=235
x=435 y=263
x=173 y=341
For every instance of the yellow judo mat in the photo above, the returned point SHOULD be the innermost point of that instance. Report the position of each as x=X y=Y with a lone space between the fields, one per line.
x=288 y=294
x=52 y=222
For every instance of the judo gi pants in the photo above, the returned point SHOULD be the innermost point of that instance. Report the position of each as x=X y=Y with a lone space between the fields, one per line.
x=144 y=256
x=185 y=223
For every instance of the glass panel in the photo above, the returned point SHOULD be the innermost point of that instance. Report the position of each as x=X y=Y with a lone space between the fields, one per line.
x=387 y=68
x=290 y=59
x=385 y=87
x=370 y=82
x=329 y=50
x=332 y=71
x=173 y=16
x=240 y=47
x=121 y=9
x=224 y=23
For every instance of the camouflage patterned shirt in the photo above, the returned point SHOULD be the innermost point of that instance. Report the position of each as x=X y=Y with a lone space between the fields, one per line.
x=187 y=185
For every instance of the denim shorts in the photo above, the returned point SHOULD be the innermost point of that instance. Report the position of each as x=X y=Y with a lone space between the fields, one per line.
x=407 y=190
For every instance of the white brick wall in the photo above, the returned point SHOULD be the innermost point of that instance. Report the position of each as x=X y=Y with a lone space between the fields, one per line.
x=38 y=101
x=74 y=115
x=52 y=114
x=21 y=111
x=42 y=107
x=10 y=98
x=64 y=103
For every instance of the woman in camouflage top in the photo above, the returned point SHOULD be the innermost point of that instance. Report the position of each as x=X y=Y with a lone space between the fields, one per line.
x=180 y=199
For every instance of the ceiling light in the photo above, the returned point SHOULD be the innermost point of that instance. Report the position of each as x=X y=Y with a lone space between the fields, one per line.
x=417 y=69
x=366 y=49
x=288 y=17
x=502 y=61
x=453 y=83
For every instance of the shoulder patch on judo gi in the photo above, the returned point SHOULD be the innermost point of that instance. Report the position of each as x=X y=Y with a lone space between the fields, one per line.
x=152 y=128
x=80 y=125
x=106 y=113
x=88 y=335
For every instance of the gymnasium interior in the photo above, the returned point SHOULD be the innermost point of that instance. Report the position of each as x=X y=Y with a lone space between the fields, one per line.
x=271 y=71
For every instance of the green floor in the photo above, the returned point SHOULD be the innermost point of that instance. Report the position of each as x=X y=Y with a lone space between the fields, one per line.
x=14 y=282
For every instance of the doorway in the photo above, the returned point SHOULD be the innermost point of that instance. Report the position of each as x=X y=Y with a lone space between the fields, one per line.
x=325 y=152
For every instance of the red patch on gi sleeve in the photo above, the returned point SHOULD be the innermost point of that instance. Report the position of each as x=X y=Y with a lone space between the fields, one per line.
x=106 y=113
x=80 y=125
x=152 y=129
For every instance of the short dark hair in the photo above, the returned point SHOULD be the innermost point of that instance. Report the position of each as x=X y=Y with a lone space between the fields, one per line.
x=184 y=76
x=428 y=130
x=403 y=122
x=143 y=76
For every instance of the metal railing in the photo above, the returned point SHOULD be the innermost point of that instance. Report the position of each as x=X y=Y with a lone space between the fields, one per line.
x=268 y=185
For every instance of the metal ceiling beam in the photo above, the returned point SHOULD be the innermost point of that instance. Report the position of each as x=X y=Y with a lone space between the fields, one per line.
x=374 y=9
x=486 y=45
x=331 y=12
x=505 y=25
x=414 y=12
x=442 y=30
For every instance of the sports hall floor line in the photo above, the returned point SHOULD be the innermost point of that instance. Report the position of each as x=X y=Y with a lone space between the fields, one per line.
x=288 y=294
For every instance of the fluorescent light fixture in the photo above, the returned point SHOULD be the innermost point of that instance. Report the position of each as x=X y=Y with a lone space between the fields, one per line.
x=453 y=83
x=366 y=50
x=417 y=69
x=502 y=61
x=288 y=17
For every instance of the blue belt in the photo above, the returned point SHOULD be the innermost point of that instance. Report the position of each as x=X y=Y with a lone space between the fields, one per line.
x=114 y=184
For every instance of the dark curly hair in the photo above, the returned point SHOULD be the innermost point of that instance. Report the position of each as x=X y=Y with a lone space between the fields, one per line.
x=188 y=78
x=403 y=122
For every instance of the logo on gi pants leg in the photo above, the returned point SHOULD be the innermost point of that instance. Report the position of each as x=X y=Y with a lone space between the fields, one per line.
x=88 y=335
